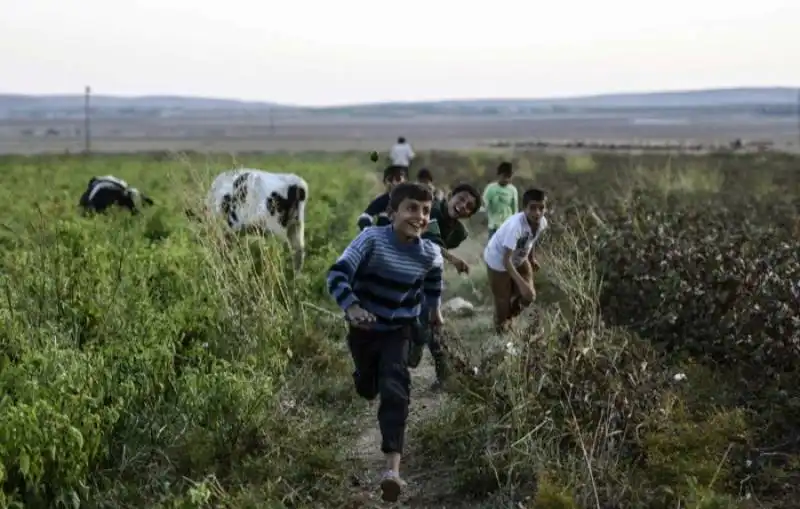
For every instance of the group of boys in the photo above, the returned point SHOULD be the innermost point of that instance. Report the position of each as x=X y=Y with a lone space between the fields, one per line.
x=389 y=283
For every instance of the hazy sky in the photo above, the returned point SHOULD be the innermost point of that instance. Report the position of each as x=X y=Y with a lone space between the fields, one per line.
x=345 y=51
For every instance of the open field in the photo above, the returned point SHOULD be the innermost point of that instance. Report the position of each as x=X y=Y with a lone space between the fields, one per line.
x=257 y=132
x=142 y=365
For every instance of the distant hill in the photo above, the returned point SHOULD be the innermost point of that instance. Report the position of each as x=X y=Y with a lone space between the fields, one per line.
x=774 y=99
x=731 y=98
x=682 y=99
x=57 y=102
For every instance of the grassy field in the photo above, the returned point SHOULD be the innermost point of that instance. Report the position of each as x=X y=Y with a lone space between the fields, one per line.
x=144 y=366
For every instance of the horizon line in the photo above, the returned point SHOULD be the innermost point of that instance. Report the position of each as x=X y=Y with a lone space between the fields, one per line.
x=409 y=101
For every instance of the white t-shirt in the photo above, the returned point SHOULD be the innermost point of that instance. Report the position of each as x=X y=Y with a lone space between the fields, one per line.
x=515 y=233
x=401 y=154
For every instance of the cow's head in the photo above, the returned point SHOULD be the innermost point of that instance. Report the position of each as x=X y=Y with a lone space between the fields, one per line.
x=289 y=212
x=137 y=195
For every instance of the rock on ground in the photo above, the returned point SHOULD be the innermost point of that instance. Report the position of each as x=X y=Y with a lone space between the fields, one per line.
x=458 y=307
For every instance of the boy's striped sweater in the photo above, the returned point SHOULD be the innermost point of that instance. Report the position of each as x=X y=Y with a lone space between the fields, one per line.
x=387 y=277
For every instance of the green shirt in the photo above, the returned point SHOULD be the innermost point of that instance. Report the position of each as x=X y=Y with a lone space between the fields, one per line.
x=500 y=203
x=444 y=230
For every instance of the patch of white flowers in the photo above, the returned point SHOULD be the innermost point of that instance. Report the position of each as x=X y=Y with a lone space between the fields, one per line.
x=511 y=349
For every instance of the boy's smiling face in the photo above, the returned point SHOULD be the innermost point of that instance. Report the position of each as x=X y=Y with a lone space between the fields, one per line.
x=412 y=217
x=461 y=205
x=394 y=181
x=534 y=210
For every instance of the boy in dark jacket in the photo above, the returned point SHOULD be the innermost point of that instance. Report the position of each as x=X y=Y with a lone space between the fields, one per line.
x=380 y=281
x=378 y=211
x=448 y=232
x=425 y=177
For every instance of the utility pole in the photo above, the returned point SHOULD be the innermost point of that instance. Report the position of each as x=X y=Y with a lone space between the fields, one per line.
x=271 y=122
x=798 y=116
x=87 y=136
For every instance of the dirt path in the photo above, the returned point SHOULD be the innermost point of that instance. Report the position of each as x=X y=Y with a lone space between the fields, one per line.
x=366 y=449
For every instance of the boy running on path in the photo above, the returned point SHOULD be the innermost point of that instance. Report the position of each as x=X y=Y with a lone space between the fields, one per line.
x=379 y=207
x=446 y=230
x=500 y=198
x=510 y=260
x=380 y=281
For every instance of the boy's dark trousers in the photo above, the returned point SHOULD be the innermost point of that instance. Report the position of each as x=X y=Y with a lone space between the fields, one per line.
x=381 y=368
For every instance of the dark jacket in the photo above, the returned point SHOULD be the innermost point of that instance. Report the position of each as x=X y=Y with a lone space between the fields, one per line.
x=446 y=231
x=376 y=213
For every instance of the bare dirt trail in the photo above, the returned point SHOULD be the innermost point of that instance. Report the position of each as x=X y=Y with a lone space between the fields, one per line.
x=366 y=452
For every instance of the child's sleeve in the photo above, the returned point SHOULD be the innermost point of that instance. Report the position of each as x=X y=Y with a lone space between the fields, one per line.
x=341 y=274
x=487 y=197
x=458 y=236
x=433 y=284
x=509 y=240
x=515 y=201
x=433 y=233
x=374 y=208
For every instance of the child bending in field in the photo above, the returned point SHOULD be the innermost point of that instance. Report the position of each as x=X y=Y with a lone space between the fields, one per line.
x=448 y=232
x=379 y=281
x=378 y=210
x=510 y=260
x=500 y=198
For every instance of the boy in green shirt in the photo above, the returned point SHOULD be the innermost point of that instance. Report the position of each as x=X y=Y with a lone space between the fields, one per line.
x=448 y=232
x=500 y=198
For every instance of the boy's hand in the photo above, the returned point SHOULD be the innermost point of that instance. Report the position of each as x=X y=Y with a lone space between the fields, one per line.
x=527 y=292
x=436 y=318
x=359 y=317
x=534 y=264
x=461 y=266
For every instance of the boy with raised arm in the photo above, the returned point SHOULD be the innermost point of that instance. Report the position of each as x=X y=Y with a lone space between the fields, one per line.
x=510 y=260
x=448 y=232
x=379 y=281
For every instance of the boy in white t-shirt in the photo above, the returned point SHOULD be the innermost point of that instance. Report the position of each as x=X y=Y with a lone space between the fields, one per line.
x=401 y=153
x=510 y=260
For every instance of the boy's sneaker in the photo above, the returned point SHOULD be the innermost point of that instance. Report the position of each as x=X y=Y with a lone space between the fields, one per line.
x=415 y=354
x=391 y=486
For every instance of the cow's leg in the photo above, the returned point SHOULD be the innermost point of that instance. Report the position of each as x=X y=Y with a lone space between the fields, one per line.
x=296 y=237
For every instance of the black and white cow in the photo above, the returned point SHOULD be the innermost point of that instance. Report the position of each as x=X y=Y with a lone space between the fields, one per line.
x=254 y=200
x=103 y=192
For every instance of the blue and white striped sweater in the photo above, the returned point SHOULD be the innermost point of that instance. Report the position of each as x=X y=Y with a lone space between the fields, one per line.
x=388 y=278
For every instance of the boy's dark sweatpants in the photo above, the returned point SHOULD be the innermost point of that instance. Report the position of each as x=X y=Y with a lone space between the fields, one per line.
x=381 y=368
